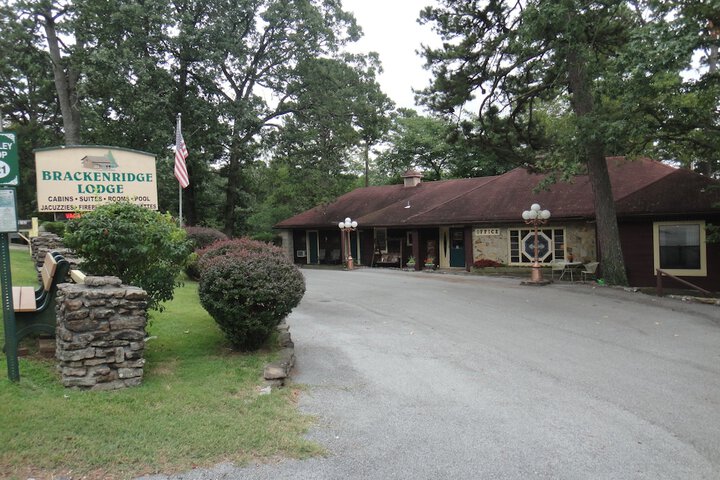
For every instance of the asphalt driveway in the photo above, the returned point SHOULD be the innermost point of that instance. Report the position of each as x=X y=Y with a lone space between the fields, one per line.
x=416 y=375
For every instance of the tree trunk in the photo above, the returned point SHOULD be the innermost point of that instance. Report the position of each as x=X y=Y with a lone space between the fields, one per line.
x=608 y=234
x=367 y=163
x=713 y=53
x=231 y=195
x=233 y=182
x=65 y=83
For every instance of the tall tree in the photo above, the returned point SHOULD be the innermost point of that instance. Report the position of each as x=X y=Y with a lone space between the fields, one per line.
x=27 y=96
x=438 y=147
x=53 y=19
x=519 y=56
x=337 y=111
x=258 y=45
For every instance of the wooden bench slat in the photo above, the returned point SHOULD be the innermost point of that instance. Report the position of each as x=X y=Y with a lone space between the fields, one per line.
x=48 y=271
x=77 y=276
x=24 y=299
x=16 y=297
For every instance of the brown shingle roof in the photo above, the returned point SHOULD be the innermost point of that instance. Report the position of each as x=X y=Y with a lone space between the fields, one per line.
x=639 y=187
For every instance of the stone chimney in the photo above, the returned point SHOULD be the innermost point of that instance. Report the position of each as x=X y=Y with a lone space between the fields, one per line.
x=412 y=178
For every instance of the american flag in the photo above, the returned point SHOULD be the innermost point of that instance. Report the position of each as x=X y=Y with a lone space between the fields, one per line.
x=181 y=154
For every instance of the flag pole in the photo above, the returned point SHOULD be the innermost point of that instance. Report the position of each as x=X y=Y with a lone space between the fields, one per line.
x=180 y=189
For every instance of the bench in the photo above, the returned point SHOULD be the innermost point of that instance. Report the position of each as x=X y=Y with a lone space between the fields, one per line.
x=35 y=307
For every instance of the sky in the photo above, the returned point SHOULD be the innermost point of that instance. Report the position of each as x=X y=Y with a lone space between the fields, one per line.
x=390 y=28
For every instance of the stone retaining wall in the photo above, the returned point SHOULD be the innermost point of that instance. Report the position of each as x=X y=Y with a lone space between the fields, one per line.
x=49 y=242
x=101 y=333
x=277 y=373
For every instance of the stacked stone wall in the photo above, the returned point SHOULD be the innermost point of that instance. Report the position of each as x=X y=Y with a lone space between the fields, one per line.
x=49 y=242
x=101 y=334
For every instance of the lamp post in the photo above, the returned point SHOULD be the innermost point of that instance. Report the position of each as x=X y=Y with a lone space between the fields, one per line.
x=345 y=228
x=536 y=216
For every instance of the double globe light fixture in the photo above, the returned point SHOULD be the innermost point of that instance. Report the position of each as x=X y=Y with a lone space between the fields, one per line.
x=346 y=227
x=535 y=217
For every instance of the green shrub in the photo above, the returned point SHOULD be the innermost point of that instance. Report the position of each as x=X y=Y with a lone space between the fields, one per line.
x=58 y=228
x=248 y=287
x=142 y=247
x=192 y=267
x=201 y=237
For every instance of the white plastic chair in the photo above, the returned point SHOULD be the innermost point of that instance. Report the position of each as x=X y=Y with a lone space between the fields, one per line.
x=557 y=266
x=589 y=270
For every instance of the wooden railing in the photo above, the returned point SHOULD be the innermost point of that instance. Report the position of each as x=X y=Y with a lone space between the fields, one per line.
x=659 y=286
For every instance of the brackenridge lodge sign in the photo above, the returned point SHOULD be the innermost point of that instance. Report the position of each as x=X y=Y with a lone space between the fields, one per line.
x=79 y=178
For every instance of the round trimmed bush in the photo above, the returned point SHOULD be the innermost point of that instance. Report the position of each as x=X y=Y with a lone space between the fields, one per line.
x=248 y=287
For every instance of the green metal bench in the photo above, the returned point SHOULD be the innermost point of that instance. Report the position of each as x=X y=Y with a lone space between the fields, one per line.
x=35 y=307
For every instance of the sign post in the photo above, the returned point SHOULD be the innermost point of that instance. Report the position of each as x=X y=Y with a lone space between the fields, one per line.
x=9 y=176
x=8 y=224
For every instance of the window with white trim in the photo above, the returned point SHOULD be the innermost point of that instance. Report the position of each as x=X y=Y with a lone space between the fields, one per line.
x=550 y=245
x=679 y=247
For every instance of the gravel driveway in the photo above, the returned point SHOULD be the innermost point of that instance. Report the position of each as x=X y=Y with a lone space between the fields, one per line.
x=416 y=375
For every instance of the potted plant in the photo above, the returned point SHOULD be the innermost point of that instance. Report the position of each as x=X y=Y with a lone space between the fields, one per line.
x=411 y=263
x=429 y=263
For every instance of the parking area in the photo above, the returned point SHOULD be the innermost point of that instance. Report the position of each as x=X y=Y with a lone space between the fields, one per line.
x=429 y=375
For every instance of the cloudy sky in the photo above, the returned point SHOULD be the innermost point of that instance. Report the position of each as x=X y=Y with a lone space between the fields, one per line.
x=391 y=29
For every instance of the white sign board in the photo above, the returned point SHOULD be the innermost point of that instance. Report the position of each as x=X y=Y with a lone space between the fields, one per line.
x=8 y=211
x=80 y=178
x=487 y=232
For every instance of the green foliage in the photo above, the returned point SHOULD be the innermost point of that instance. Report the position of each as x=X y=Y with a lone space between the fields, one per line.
x=248 y=287
x=202 y=237
x=142 y=247
x=133 y=66
x=337 y=112
x=58 y=228
x=192 y=269
x=437 y=147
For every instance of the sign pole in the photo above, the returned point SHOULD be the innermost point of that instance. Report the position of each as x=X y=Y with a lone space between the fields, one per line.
x=8 y=223
x=180 y=212
x=9 y=176
x=8 y=311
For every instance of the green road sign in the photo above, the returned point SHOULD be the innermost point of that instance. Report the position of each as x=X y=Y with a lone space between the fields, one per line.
x=9 y=163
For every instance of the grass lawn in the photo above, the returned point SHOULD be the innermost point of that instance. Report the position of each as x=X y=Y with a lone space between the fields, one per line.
x=198 y=405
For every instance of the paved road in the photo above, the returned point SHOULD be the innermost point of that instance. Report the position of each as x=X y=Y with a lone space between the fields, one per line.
x=432 y=376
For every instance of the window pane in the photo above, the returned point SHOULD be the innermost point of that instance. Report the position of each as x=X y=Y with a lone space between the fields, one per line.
x=679 y=246
x=522 y=245
x=514 y=246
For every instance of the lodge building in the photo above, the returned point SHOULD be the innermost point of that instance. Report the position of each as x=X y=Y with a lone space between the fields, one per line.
x=663 y=214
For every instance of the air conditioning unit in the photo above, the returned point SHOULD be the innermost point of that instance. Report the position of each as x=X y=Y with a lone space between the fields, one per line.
x=300 y=254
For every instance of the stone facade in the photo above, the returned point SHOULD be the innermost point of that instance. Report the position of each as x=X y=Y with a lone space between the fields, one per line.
x=581 y=238
x=494 y=243
x=101 y=334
